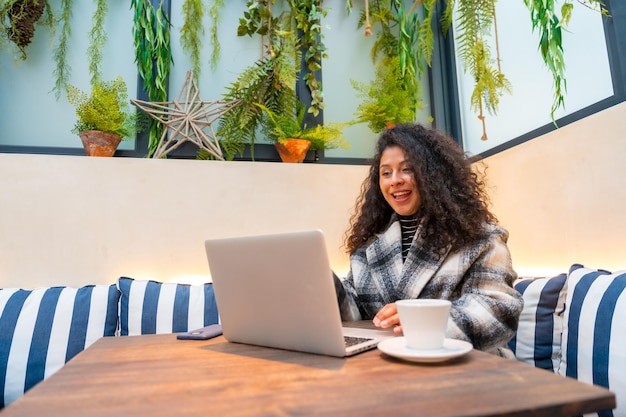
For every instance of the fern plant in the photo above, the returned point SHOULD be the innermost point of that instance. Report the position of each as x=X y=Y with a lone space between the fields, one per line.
x=269 y=81
x=386 y=100
x=475 y=23
x=285 y=126
x=105 y=108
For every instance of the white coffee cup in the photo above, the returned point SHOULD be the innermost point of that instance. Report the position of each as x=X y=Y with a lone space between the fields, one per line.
x=424 y=322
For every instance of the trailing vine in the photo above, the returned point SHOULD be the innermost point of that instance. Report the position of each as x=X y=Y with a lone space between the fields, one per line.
x=153 y=56
x=19 y=17
x=97 y=39
x=399 y=58
x=191 y=32
x=214 y=14
x=307 y=16
x=475 y=22
x=546 y=21
x=62 y=69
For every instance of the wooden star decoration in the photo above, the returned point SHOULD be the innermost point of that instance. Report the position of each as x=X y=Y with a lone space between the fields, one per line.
x=187 y=119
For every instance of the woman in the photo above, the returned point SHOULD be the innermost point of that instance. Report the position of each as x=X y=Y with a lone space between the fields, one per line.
x=422 y=229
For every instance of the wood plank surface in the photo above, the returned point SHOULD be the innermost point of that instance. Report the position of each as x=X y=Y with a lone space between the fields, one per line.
x=158 y=375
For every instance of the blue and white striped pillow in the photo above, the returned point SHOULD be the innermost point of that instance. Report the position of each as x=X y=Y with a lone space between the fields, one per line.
x=149 y=307
x=538 y=337
x=42 y=329
x=594 y=337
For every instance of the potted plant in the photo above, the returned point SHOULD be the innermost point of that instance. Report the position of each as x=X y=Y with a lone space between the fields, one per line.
x=292 y=138
x=104 y=116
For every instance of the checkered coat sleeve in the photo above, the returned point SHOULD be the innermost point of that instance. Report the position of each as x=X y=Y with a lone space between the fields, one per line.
x=478 y=279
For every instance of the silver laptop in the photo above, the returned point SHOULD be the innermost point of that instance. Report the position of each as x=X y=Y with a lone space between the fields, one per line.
x=278 y=291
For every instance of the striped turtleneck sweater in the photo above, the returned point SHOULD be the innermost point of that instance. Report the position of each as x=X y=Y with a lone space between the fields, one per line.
x=408 y=226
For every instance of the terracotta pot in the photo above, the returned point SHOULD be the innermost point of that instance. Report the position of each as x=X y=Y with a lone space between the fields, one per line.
x=292 y=150
x=97 y=143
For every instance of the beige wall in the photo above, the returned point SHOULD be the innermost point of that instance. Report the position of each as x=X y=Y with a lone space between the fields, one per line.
x=69 y=220
x=563 y=196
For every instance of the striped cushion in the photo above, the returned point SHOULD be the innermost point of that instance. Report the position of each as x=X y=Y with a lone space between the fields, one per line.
x=149 y=307
x=42 y=329
x=538 y=338
x=594 y=339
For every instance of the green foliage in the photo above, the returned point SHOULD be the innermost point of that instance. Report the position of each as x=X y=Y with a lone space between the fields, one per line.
x=386 y=100
x=214 y=11
x=269 y=81
x=546 y=21
x=106 y=109
x=475 y=22
x=153 y=56
x=191 y=31
x=18 y=19
x=291 y=125
x=62 y=69
x=307 y=16
x=399 y=52
x=97 y=39
x=301 y=26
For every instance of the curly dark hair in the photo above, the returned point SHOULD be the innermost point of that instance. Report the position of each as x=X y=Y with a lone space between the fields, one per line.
x=454 y=205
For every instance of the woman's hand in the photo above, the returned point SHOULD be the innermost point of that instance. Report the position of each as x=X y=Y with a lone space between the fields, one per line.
x=387 y=317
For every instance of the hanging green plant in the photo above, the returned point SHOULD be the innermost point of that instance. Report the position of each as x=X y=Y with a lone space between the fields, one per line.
x=191 y=33
x=386 y=100
x=214 y=14
x=475 y=23
x=62 y=69
x=153 y=56
x=307 y=16
x=97 y=39
x=546 y=21
x=394 y=94
x=18 y=19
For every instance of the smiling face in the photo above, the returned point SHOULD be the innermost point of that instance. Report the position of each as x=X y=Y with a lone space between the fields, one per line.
x=397 y=182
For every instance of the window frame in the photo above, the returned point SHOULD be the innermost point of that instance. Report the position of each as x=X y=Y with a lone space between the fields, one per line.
x=443 y=92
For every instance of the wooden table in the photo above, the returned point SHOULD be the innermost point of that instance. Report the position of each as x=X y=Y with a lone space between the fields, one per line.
x=158 y=375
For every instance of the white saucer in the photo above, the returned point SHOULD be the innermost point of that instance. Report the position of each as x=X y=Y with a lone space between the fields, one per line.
x=452 y=348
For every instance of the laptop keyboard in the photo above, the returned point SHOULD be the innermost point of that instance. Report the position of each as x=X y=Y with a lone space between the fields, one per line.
x=351 y=341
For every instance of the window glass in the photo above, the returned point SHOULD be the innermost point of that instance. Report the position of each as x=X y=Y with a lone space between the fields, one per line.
x=528 y=106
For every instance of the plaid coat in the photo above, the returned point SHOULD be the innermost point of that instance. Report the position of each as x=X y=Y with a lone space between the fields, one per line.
x=478 y=279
